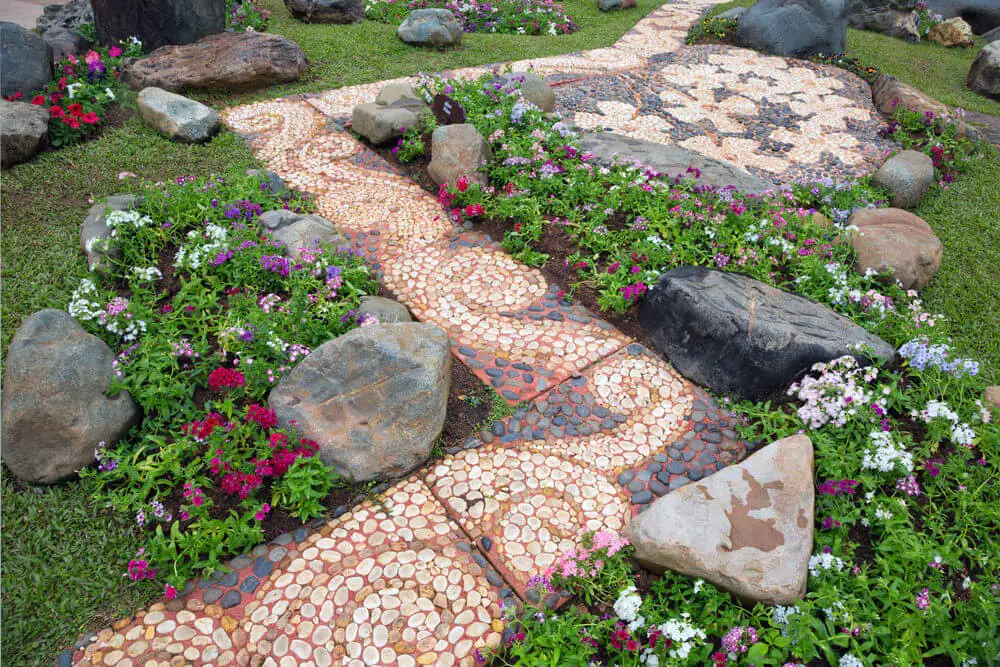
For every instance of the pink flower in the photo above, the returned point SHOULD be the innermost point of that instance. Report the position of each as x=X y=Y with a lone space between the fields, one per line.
x=262 y=512
x=169 y=592
x=114 y=52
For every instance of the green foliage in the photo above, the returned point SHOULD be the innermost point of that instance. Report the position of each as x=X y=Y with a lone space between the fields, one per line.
x=412 y=145
x=243 y=15
x=518 y=17
x=712 y=28
x=937 y=137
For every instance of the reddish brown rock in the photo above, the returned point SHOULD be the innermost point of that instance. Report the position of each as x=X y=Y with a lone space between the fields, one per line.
x=747 y=529
x=896 y=241
x=888 y=93
x=953 y=32
x=221 y=62
x=458 y=150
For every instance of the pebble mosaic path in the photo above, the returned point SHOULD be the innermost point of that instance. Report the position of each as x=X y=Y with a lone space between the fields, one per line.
x=420 y=575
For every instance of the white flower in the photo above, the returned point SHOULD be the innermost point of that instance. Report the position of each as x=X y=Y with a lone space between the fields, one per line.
x=146 y=275
x=627 y=608
x=109 y=93
x=848 y=660
x=824 y=561
x=886 y=454
x=72 y=88
x=883 y=515
x=698 y=583
x=682 y=633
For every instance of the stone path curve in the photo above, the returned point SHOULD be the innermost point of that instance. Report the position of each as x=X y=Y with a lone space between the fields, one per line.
x=419 y=576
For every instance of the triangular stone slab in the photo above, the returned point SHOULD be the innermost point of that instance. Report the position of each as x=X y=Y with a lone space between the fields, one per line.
x=747 y=529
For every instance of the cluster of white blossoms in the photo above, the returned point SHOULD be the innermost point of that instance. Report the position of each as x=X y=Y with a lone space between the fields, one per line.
x=961 y=433
x=202 y=246
x=146 y=275
x=627 y=608
x=886 y=455
x=822 y=562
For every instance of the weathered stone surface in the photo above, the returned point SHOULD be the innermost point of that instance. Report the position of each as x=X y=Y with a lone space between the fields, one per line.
x=731 y=333
x=896 y=241
x=748 y=528
x=431 y=27
x=991 y=398
x=532 y=88
x=158 y=22
x=307 y=231
x=399 y=94
x=381 y=124
x=794 y=27
x=94 y=230
x=326 y=11
x=735 y=14
x=23 y=128
x=891 y=22
x=888 y=93
x=71 y=15
x=374 y=399
x=65 y=42
x=981 y=15
x=991 y=35
x=672 y=161
x=232 y=60
x=458 y=150
x=984 y=75
x=612 y=5
x=25 y=60
x=386 y=311
x=55 y=408
x=177 y=117
x=953 y=32
x=906 y=175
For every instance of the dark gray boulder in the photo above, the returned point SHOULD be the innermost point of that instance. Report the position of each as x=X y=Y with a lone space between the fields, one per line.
x=326 y=11
x=23 y=128
x=889 y=17
x=158 y=22
x=991 y=35
x=981 y=15
x=794 y=27
x=25 y=60
x=55 y=407
x=609 y=147
x=431 y=27
x=71 y=15
x=984 y=75
x=731 y=333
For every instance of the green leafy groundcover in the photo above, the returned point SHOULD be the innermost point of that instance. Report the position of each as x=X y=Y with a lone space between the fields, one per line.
x=905 y=565
x=206 y=313
x=516 y=17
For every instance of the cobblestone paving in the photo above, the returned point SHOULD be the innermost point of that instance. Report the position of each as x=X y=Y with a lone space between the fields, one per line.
x=419 y=576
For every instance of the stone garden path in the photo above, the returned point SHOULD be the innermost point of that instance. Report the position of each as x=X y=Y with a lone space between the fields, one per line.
x=419 y=575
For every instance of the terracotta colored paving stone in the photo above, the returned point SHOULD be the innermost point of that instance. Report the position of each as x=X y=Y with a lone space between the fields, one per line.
x=504 y=319
x=390 y=583
x=529 y=506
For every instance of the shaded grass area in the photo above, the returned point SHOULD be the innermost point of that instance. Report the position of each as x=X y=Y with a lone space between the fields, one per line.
x=63 y=558
x=344 y=55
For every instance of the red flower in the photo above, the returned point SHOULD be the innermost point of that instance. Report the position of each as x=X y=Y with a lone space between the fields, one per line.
x=72 y=122
x=38 y=100
x=75 y=109
x=56 y=112
x=472 y=210
x=90 y=118
x=264 y=417
x=225 y=378
x=15 y=97
x=462 y=183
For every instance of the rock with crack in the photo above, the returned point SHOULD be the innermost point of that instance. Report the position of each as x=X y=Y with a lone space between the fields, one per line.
x=748 y=528
x=609 y=147
x=731 y=333
x=56 y=410
x=374 y=398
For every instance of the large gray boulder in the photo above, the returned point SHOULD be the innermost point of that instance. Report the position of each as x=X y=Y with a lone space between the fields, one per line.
x=396 y=108
x=458 y=150
x=981 y=15
x=794 y=27
x=326 y=11
x=158 y=22
x=984 y=75
x=55 y=407
x=431 y=27
x=374 y=399
x=670 y=160
x=25 y=60
x=229 y=61
x=906 y=175
x=895 y=19
x=748 y=528
x=896 y=242
x=301 y=232
x=94 y=232
x=23 y=128
x=734 y=334
x=71 y=15
x=177 y=117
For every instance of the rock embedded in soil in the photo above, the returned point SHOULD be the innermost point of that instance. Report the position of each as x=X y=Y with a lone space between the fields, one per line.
x=953 y=32
x=56 y=407
x=669 y=160
x=300 y=232
x=981 y=15
x=326 y=11
x=531 y=88
x=231 y=60
x=748 y=528
x=177 y=117
x=25 y=60
x=731 y=333
x=23 y=130
x=158 y=23
x=897 y=242
x=374 y=398
x=386 y=311
x=984 y=75
x=892 y=22
x=794 y=27
x=94 y=231
x=906 y=175
x=431 y=27
x=456 y=151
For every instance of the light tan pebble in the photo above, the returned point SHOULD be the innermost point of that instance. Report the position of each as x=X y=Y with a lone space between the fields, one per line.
x=226 y=658
x=175 y=648
x=122 y=624
x=301 y=648
x=210 y=653
x=150 y=632
x=222 y=640
x=213 y=610
x=166 y=627
x=191 y=653
x=135 y=632
x=280 y=645
x=204 y=625
x=136 y=648
x=152 y=618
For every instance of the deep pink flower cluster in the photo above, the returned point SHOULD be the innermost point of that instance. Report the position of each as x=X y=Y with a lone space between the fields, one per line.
x=225 y=378
x=263 y=417
x=838 y=487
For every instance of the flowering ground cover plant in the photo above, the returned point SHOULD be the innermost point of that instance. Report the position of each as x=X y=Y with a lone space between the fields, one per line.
x=78 y=100
x=904 y=569
x=518 y=17
x=206 y=313
x=244 y=15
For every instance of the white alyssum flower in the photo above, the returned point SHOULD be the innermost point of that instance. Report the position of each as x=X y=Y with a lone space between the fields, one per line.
x=147 y=274
x=683 y=634
x=627 y=608
x=822 y=562
x=886 y=455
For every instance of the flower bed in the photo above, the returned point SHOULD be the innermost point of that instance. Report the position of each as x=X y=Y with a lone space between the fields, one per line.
x=516 y=17
x=904 y=569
